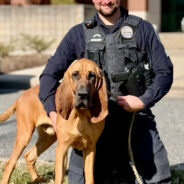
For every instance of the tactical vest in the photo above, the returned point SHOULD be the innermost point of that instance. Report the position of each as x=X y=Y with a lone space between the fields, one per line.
x=117 y=55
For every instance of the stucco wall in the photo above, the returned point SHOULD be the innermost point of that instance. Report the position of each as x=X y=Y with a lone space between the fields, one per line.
x=50 y=22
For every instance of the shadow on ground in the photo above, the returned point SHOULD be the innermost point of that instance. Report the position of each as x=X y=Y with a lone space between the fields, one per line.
x=12 y=83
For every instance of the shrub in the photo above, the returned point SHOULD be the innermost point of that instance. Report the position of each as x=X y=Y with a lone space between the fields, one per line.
x=36 y=42
x=5 y=49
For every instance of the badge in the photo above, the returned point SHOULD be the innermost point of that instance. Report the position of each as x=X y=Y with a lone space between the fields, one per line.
x=127 y=32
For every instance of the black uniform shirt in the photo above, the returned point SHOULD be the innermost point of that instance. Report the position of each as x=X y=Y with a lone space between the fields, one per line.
x=73 y=47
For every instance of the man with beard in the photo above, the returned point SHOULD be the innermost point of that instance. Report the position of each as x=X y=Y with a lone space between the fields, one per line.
x=138 y=72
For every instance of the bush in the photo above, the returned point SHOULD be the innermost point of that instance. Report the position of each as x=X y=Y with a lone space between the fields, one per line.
x=36 y=42
x=5 y=49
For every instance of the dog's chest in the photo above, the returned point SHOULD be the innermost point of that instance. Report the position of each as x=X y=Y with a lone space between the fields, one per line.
x=81 y=134
x=80 y=143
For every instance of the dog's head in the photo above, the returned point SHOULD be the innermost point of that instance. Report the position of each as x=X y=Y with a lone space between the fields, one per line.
x=83 y=87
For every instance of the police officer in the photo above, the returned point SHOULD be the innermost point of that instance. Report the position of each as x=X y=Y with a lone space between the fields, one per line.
x=138 y=71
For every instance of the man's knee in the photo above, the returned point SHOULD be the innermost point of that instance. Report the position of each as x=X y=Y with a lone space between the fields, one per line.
x=75 y=177
x=76 y=173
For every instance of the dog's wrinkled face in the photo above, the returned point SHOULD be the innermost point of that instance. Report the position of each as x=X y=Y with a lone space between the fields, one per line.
x=83 y=87
x=83 y=91
x=85 y=82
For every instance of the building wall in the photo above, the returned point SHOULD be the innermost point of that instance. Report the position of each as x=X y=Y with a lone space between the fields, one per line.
x=50 y=22
x=138 y=5
x=154 y=13
x=147 y=9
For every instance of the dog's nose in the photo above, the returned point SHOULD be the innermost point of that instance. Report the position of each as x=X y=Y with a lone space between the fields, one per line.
x=83 y=94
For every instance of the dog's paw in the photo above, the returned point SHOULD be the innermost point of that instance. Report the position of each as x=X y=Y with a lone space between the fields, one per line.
x=40 y=179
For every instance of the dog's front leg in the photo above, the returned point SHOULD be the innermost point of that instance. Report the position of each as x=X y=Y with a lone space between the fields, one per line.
x=60 y=166
x=89 y=158
x=61 y=151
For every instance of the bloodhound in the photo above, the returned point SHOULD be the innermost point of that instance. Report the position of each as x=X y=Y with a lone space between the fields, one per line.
x=81 y=103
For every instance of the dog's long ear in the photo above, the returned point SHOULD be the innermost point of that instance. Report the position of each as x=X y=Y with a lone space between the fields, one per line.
x=100 y=102
x=64 y=97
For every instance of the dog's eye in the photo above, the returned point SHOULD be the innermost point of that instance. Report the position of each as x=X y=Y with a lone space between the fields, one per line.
x=75 y=75
x=91 y=76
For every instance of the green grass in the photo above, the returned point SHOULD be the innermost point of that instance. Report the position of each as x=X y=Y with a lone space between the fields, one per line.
x=21 y=176
x=177 y=176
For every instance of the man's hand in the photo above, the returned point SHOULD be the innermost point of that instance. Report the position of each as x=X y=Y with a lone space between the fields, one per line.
x=53 y=116
x=130 y=103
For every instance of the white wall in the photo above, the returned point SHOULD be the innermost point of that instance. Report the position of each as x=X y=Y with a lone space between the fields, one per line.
x=47 y=21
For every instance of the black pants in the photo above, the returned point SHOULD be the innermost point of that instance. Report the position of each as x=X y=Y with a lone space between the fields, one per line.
x=112 y=159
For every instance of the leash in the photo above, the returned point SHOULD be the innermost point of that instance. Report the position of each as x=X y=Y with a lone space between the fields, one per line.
x=130 y=152
x=132 y=162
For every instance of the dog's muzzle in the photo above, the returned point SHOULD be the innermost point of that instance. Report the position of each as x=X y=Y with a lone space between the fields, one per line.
x=82 y=99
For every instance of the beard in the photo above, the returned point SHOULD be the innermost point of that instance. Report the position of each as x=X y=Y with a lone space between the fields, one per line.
x=110 y=13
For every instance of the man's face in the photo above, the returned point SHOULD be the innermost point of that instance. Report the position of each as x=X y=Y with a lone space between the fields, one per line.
x=107 y=7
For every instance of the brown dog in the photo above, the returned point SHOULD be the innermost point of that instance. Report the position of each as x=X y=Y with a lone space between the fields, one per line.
x=81 y=103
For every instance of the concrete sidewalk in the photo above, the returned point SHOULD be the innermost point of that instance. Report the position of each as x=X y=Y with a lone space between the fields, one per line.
x=177 y=58
x=24 y=79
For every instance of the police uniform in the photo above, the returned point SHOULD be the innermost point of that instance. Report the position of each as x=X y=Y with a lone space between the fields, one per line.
x=128 y=53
